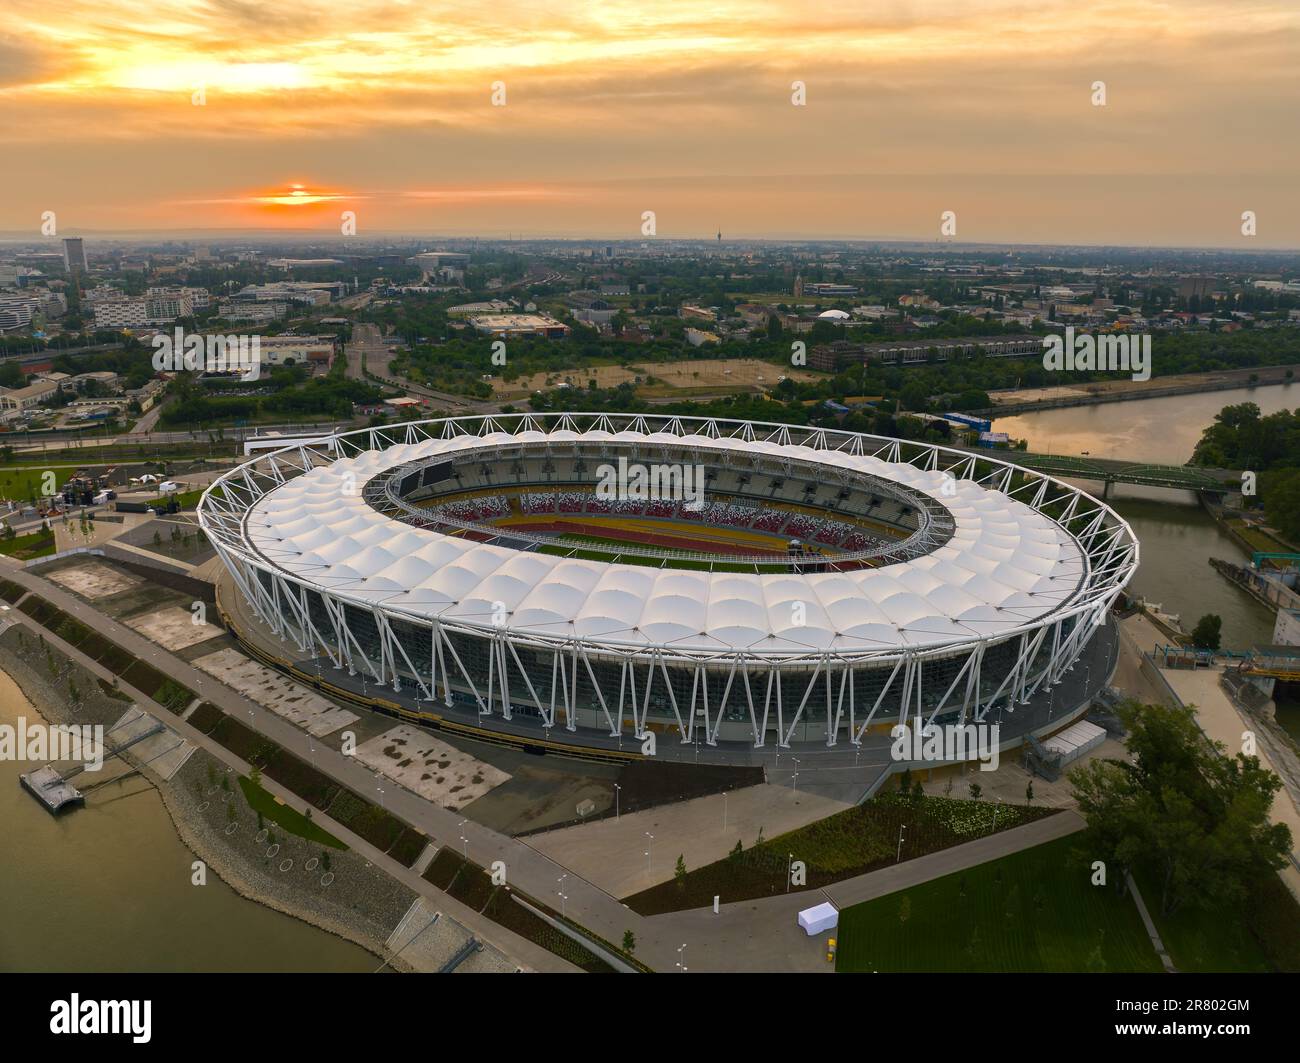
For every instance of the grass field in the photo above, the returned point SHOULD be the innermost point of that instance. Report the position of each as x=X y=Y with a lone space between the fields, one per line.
x=26 y=547
x=1197 y=941
x=285 y=817
x=850 y=843
x=1032 y=911
x=25 y=483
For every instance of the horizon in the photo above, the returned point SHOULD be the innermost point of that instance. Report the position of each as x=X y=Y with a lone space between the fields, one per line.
x=1140 y=125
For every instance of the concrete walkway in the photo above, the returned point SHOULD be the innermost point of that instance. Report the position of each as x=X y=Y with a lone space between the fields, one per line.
x=1149 y=923
x=611 y=852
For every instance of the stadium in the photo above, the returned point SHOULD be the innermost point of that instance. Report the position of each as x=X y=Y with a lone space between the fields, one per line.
x=728 y=586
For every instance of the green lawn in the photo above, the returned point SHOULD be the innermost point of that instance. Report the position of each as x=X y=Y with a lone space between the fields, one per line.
x=282 y=815
x=184 y=499
x=26 y=547
x=1200 y=941
x=853 y=842
x=24 y=483
x=1033 y=911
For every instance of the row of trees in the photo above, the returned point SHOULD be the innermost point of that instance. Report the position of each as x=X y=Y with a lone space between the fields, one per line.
x=1269 y=446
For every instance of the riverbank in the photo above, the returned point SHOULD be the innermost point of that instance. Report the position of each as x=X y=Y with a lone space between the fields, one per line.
x=1097 y=392
x=336 y=891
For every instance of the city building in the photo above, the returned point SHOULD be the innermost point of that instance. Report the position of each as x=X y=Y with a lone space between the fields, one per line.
x=74 y=254
x=508 y=325
x=26 y=397
x=254 y=313
x=839 y=290
x=120 y=313
x=833 y=357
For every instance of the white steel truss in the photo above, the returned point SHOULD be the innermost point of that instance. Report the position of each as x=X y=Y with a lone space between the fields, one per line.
x=764 y=696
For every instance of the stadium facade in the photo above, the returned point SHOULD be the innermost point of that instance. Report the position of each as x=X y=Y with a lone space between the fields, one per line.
x=830 y=583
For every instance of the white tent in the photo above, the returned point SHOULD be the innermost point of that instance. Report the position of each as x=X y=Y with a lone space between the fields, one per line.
x=819 y=919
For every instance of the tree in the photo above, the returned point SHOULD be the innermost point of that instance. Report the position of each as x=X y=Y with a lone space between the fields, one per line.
x=1192 y=816
x=679 y=872
x=1029 y=792
x=975 y=791
x=1206 y=634
x=629 y=942
x=1280 y=493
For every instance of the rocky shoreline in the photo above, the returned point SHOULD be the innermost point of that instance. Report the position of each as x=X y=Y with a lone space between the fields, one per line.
x=334 y=890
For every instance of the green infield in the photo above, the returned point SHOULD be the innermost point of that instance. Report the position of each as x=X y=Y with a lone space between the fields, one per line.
x=1035 y=910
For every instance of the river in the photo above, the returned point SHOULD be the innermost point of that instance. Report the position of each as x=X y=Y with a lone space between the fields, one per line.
x=1178 y=537
x=107 y=888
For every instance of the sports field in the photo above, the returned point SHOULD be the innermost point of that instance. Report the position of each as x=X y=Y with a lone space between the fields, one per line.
x=671 y=534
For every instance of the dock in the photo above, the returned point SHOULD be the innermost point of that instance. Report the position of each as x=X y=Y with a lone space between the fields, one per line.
x=51 y=789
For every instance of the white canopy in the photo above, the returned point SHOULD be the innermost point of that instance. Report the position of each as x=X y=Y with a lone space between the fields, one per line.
x=1006 y=565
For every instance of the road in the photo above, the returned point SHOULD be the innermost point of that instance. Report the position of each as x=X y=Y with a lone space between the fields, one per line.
x=370 y=351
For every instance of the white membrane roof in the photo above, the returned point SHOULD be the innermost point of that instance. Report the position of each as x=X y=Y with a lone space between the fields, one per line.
x=1005 y=566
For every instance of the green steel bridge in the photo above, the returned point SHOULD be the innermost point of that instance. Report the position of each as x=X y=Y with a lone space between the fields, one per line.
x=1109 y=471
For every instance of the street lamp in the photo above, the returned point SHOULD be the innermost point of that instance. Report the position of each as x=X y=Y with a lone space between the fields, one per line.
x=789 y=871
x=617 y=788
x=681 y=958
x=648 y=846
x=899 y=855
x=464 y=839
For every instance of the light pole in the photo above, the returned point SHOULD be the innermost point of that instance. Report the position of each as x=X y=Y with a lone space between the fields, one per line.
x=789 y=871
x=794 y=779
x=564 y=897
x=899 y=855
x=617 y=788
x=681 y=958
x=464 y=839
x=724 y=810
x=648 y=846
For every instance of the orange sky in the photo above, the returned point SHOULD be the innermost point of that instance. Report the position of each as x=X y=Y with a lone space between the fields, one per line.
x=613 y=108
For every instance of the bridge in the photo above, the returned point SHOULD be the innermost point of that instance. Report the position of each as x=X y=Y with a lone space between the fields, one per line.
x=1109 y=471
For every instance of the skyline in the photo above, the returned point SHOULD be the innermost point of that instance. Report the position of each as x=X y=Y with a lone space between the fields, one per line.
x=387 y=110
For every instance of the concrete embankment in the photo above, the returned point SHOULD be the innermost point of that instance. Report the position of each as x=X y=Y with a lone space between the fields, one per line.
x=1094 y=393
